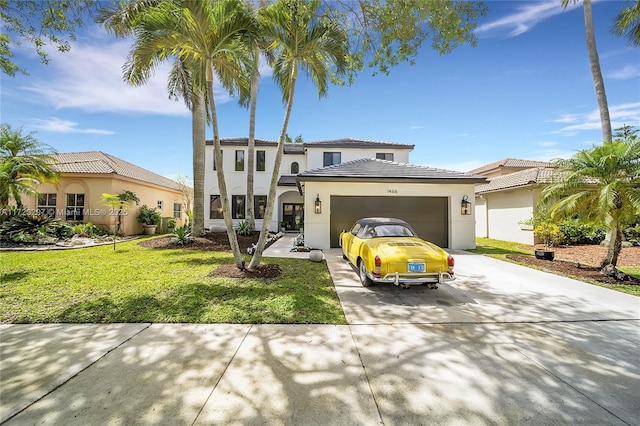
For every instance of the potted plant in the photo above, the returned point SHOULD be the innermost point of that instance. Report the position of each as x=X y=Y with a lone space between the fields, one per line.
x=551 y=236
x=149 y=218
x=283 y=225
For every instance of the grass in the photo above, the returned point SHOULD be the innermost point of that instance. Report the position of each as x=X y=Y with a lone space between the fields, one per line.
x=500 y=249
x=136 y=284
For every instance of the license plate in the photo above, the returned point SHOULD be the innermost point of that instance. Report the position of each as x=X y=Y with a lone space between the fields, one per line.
x=416 y=267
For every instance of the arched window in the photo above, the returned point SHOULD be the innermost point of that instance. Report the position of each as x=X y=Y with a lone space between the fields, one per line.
x=295 y=168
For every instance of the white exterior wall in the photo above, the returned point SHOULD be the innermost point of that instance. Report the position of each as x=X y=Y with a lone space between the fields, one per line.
x=237 y=181
x=481 y=217
x=315 y=155
x=317 y=226
x=505 y=209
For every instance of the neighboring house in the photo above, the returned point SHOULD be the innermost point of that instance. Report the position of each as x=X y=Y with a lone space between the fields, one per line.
x=508 y=199
x=85 y=176
x=328 y=185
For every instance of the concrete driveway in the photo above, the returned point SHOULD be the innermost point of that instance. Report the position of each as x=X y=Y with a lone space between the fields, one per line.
x=501 y=345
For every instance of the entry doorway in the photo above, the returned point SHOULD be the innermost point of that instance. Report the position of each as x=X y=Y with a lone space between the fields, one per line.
x=292 y=215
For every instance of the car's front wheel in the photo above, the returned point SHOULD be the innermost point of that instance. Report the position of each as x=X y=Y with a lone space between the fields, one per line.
x=364 y=278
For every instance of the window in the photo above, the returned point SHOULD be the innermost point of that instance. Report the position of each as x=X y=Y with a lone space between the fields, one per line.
x=260 y=205
x=295 y=168
x=384 y=156
x=331 y=158
x=238 y=206
x=214 y=158
x=261 y=161
x=215 y=207
x=240 y=160
x=74 y=209
x=177 y=210
x=160 y=205
x=47 y=205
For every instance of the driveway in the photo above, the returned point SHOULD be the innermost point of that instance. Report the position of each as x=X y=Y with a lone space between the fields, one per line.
x=501 y=345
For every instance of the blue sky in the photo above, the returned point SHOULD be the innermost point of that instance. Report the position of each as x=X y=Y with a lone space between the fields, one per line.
x=524 y=92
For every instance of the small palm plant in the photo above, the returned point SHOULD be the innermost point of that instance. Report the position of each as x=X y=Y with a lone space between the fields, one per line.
x=182 y=235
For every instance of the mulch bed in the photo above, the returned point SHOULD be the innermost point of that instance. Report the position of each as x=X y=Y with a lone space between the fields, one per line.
x=573 y=269
x=218 y=241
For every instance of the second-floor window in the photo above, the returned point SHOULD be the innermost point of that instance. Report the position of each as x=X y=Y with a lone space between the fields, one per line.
x=261 y=161
x=240 y=160
x=384 y=156
x=238 y=206
x=295 y=168
x=331 y=158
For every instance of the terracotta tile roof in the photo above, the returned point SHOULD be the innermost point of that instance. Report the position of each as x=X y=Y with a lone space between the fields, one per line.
x=531 y=176
x=369 y=168
x=99 y=162
x=509 y=163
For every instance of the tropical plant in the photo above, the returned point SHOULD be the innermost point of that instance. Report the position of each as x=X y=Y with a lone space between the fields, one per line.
x=35 y=226
x=182 y=235
x=596 y=72
x=297 y=39
x=244 y=228
x=24 y=164
x=207 y=38
x=627 y=23
x=601 y=184
x=148 y=216
x=117 y=203
x=577 y=231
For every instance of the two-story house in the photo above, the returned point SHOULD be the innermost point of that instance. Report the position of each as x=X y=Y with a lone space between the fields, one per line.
x=328 y=185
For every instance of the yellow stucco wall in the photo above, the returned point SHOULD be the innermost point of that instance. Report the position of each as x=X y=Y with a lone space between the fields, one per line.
x=93 y=186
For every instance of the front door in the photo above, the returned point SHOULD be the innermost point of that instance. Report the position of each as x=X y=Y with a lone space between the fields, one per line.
x=293 y=215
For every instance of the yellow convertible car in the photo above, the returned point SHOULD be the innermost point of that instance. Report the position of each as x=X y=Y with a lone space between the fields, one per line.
x=388 y=250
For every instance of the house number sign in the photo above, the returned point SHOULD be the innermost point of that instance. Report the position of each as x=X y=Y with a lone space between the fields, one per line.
x=392 y=191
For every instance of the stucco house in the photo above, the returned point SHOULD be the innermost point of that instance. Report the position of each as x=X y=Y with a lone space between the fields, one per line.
x=508 y=198
x=328 y=185
x=85 y=176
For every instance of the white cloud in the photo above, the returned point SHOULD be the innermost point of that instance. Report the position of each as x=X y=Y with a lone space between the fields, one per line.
x=54 y=124
x=416 y=127
x=526 y=17
x=89 y=77
x=619 y=115
x=626 y=73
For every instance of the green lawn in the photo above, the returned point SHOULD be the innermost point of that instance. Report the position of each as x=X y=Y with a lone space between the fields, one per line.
x=136 y=284
x=500 y=249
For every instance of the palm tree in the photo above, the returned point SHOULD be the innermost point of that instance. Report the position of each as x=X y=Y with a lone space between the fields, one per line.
x=627 y=23
x=207 y=37
x=24 y=163
x=596 y=73
x=297 y=38
x=601 y=183
x=122 y=21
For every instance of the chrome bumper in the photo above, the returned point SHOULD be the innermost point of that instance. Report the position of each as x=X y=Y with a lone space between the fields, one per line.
x=406 y=279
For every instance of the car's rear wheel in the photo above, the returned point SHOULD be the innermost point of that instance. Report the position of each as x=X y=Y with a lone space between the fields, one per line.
x=364 y=278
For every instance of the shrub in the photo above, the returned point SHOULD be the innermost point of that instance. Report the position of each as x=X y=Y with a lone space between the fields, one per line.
x=549 y=233
x=148 y=216
x=171 y=223
x=576 y=231
x=244 y=228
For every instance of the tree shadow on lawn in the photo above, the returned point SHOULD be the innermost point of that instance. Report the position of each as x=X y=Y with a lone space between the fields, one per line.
x=13 y=277
x=226 y=301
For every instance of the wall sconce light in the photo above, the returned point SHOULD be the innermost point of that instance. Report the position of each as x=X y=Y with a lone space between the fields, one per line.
x=318 y=205
x=465 y=206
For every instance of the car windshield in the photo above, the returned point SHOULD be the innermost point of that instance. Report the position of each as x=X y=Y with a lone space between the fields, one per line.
x=387 y=230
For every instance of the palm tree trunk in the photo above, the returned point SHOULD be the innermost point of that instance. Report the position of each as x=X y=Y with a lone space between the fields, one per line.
x=255 y=80
x=615 y=244
x=198 y=139
x=271 y=201
x=222 y=184
x=596 y=73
